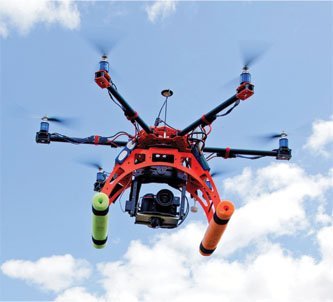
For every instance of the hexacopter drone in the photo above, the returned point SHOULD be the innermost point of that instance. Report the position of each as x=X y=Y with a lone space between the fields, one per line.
x=163 y=154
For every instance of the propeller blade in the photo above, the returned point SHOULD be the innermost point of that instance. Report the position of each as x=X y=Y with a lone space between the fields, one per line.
x=270 y=136
x=67 y=122
x=216 y=173
x=252 y=51
x=100 y=39
x=219 y=172
x=91 y=164
x=21 y=112
x=232 y=83
x=103 y=42
x=55 y=119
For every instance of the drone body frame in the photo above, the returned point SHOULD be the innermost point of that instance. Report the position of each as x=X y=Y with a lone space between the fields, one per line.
x=176 y=155
x=156 y=151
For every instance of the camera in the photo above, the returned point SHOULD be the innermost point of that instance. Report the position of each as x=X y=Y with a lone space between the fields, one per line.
x=160 y=210
x=163 y=202
x=163 y=210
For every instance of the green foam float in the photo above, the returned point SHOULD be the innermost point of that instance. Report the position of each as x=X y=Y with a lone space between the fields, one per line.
x=100 y=219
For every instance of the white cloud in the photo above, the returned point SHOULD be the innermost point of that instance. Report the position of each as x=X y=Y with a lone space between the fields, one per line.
x=274 y=203
x=321 y=137
x=160 y=269
x=77 y=294
x=322 y=217
x=53 y=273
x=325 y=236
x=23 y=15
x=160 y=9
x=171 y=269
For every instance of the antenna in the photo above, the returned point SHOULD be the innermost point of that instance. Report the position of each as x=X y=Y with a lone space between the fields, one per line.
x=166 y=93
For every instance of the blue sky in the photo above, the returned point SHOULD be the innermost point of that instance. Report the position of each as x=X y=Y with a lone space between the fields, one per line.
x=279 y=243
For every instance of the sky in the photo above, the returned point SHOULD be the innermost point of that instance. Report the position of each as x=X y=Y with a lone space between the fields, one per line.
x=278 y=245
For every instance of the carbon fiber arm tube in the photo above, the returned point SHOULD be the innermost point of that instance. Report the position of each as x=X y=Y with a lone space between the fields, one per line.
x=91 y=140
x=229 y=152
x=129 y=112
x=210 y=116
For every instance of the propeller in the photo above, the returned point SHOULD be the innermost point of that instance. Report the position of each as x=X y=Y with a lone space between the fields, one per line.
x=219 y=172
x=103 y=42
x=251 y=52
x=22 y=113
x=271 y=136
x=216 y=173
x=91 y=164
x=100 y=39
x=60 y=120
x=300 y=131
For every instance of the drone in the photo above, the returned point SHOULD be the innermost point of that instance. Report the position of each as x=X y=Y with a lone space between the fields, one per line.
x=162 y=154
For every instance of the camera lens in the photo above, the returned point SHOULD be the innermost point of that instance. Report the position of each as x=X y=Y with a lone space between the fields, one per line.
x=164 y=198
